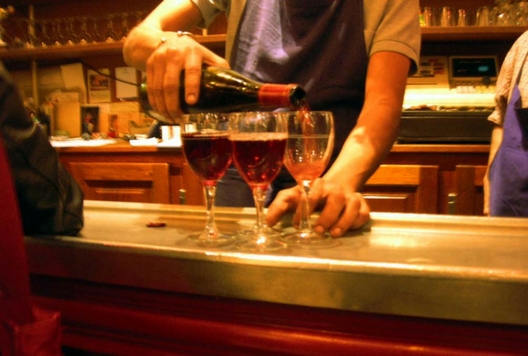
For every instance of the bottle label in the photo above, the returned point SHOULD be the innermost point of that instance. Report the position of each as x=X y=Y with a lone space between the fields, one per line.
x=275 y=95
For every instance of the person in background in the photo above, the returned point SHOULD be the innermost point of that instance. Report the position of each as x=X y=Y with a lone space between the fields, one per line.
x=351 y=56
x=506 y=179
x=50 y=200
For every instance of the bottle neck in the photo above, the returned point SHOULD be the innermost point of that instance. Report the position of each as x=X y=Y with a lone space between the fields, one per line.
x=280 y=95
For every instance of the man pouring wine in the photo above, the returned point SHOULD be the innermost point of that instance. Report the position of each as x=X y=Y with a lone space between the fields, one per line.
x=351 y=56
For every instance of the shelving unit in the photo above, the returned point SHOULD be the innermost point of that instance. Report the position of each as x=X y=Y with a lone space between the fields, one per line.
x=217 y=41
x=435 y=41
x=472 y=33
x=88 y=50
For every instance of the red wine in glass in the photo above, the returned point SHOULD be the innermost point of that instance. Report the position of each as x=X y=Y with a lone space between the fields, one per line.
x=306 y=170
x=308 y=151
x=207 y=150
x=258 y=158
x=258 y=142
x=208 y=154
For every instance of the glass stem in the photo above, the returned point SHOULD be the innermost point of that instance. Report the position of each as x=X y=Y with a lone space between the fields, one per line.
x=209 y=197
x=304 y=224
x=259 y=196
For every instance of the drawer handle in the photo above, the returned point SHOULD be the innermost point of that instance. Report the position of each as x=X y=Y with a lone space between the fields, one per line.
x=182 y=196
x=451 y=203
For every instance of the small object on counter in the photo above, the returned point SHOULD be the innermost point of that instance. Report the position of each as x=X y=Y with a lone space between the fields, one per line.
x=422 y=107
x=128 y=137
x=144 y=142
x=153 y=223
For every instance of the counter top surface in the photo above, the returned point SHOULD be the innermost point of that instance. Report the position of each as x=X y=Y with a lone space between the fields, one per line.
x=124 y=146
x=450 y=267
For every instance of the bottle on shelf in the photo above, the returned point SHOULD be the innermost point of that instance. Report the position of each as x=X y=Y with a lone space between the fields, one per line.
x=224 y=90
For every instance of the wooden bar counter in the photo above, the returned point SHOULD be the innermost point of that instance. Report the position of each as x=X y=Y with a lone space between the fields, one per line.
x=406 y=284
x=415 y=178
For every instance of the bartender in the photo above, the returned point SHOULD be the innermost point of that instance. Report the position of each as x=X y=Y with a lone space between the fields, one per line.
x=351 y=56
x=506 y=181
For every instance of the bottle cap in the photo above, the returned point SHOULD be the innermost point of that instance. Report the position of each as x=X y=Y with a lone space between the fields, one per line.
x=281 y=95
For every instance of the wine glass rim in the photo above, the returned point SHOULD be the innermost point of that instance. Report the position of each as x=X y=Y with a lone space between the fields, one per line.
x=201 y=114
x=219 y=117
x=249 y=112
x=275 y=112
x=306 y=111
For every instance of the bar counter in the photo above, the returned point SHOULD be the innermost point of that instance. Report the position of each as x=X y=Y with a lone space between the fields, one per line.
x=421 y=270
x=151 y=174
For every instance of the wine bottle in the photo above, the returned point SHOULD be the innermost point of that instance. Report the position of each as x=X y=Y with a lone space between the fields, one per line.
x=224 y=90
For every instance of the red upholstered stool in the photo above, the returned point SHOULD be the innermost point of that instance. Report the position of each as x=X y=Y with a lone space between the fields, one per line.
x=14 y=272
x=25 y=328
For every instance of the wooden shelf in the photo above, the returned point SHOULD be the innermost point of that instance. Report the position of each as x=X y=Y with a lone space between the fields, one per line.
x=87 y=50
x=216 y=42
x=472 y=33
x=61 y=52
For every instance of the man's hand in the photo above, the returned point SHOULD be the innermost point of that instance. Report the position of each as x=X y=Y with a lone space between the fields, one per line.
x=177 y=53
x=342 y=209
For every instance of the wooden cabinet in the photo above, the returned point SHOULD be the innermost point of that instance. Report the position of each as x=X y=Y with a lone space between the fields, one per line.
x=133 y=174
x=129 y=182
x=427 y=179
x=431 y=179
x=468 y=194
x=460 y=171
x=403 y=189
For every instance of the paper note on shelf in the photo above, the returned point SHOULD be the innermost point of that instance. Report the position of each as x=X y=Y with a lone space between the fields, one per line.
x=126 y=83
x=99 y=86
x=67 y=117
x=144 y=142
x=73 y=78
x=170 y=143
x=81 y=143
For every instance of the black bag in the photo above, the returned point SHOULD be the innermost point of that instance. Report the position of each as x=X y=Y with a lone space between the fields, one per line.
x=51 y=201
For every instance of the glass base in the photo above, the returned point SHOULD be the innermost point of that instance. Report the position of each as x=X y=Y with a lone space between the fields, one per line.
x=260 y=240
x=261 y=245
x=309 y=240
x=221 y=240
x=253 y=233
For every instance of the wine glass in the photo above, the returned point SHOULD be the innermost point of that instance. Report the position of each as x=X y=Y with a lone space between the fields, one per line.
x=44 y=37
x=502 y=13
x=85 y=36
x=57 y=33
x=309 y=147
x=71 y=30
x=96 y=25
x=258 y=141
x=124 y=25
x=110 y=34
x=207 y=150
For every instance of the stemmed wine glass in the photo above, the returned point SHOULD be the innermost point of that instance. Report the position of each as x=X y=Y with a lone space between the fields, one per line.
x=110 y=35
x=207 y=150
x=258 y=141
x=45 y=39
x=309 y=147
x=57 y=33
x=85 y=36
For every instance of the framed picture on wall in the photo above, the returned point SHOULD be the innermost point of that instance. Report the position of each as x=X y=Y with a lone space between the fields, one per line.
x=89 y=119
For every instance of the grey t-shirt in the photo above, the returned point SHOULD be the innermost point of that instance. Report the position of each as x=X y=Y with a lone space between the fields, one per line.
x=318 y=44
x=389 y=25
